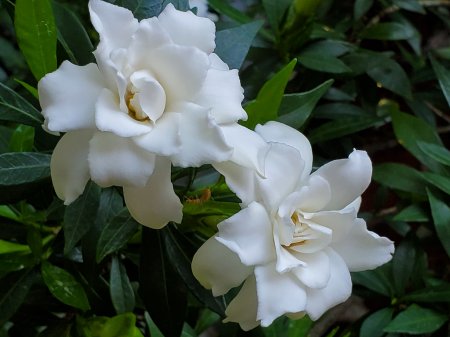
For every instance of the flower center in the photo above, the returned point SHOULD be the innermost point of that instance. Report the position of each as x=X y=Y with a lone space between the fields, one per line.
x=301 y=230
x=134 y=113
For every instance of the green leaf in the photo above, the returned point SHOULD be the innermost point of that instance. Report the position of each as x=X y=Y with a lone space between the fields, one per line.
x=416 y=320
x=121 y=326
x=441 y=217
x=22 y=139
x=441 y=182
x=36 y=35
x=299 y=327
x=232 y=44
x=411 y=130
x=412 y=213
x=15 y=108
x=399 y=177
x=374 y=324
x=72 y=35
x=378 y=280
x=224 y=8
x=120 y=289
x=32 y=90
x=15 y=290
x=403 y=265
x=295 y=109
x=361 y=7
x=339 y=110
x=410 y=5
x=390 y=75
x=152 y=328
x=23 y=167
x=265 y=107
x=161 y=289
x=275 y=11
x=116 y=234
x=323 y=62
x=443 y=75
x=80 y=216
x=64 y=286
x=12 y=247
x=16 y=261
x=388 y=31
x=429 y=295
x=436 y=152
x=141 y=9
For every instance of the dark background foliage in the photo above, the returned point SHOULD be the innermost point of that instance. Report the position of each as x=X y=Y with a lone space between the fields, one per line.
x=363 y=74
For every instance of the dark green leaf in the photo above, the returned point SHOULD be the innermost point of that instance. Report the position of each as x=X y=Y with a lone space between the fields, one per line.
x=441 y=182
x=334 y=48
x=116 y=234
x=390 y=75
x=232 y=44
x=300 y=327
x=443 y=75
x=64 y=286
x=378 y=280
x=22 y=139
x=14 y=291
x=161 y=289
x=15 y=108
x=410 y=5
x=32 y=90
x=441 y=216
x=58 y=330
x=399 y=177
x=416 y=320
x=295 y=109
x=429 y=294
x=80 y=216
x=265 y=107
x=16 y=261
x=122 y=294
x=375 y=323
x=224 y=8
x=412 y=213
x=339 y=110
x=72 y=35
x=275 y=11
x=23 y=167
x=388 y=31
x=323 y=62
x=152 y=328
x=436 y=152
x=403 y=265
x=36 y=35
x=410 y=130
x=361 y=7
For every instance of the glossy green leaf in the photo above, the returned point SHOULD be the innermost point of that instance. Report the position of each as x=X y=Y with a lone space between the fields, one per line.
x=390 y=75
x=15 y=290
x=388 y=31
x=36 y=35
x=23 y=167
x=265 y=107
x=399 y=177
x=16 y=261
x=22 y=139
x=378 y=280
x=441 y=182
x=295 y=109
x=375 y=323
x=436 y=152
x=116 y=234
x=15 y=108
x=12 y=247
x=232 y=44
x=441 y=217
x=64 y=286
x=80 y=216
x=32 y=90
x=416 y=320
x=412 y=213
x=323 y=62
x=361 y=7
x=411 y=130
x=443 y=75
x=72 y=35
x=120 y=289
x=121 y=326
x=429 y=294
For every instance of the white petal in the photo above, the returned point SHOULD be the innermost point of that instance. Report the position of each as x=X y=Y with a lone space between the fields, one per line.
x=68 y=96
x=218 y=268
x=251 y=155
x=362 y=249
x=280 y=133
x=69 y=165
x=348 y=178
x=278 y=294
x=185 y=28
x=315 y=273
x=248 y=233
x=282 y=166
x=164 y=138
x=286 y=260
x=109 y=117
x=242 y=309
x=155 y=204
x=217 y=63
x=201 y=139
x=114 y=24
x=222 y=92
x=180 y=70
x=338 y=289
x=339 y=222
x=118 y=161
x=313 y=239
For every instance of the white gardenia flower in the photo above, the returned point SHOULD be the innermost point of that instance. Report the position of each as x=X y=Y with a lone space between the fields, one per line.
x=157 y=96
x=297 y=237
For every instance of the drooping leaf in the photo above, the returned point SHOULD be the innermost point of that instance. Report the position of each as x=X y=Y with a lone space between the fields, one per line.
x=121 y=291
x=232 y=44
x=36 y=35
x=375 y=323
x=64 y=286
x=388 y=31
x=436 y=152
x=295 y=109
x=441 y=182
x=443 y=75
x=265 y=107
x=441 y=218
x=15 y=108
x=23 y=167
x=399 y=177
x=80 y=216
x=416 y=320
